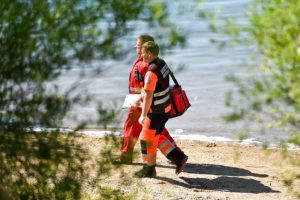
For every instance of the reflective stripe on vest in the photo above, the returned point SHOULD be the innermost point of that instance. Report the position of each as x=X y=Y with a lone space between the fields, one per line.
x=157 y=97
x=158 y=94
x=133 y=89
x=161 y=101
x=165 y=71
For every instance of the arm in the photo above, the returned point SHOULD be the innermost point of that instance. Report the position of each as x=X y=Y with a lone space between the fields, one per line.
x=147 y=101
x=150 y=83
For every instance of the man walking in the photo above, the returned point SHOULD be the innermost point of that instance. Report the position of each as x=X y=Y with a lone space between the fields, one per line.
x=154 y=115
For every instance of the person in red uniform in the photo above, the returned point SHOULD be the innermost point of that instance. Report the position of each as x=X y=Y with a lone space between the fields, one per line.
x=155 y=108
x=132 y=128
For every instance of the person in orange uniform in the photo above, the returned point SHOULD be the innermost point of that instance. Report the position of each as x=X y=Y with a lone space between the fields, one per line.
x=155 y=108
x=132 y=128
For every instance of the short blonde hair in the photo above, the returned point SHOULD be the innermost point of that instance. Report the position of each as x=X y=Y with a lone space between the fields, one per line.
x=151 y=47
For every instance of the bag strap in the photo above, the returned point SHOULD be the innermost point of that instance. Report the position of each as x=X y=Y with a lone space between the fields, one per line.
x=173 y=77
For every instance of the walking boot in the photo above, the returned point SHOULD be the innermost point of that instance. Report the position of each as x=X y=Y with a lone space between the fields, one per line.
x=179 y=159
x=172 y=162
x=146 y=171
x=124 y=158
x=181 y=164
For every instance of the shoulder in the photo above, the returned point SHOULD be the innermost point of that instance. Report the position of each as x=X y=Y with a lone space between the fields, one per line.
x=150 y=80
x=161 y=61
x=153 y=67
x=155 y=64
x=143 y=67
x=137 y=62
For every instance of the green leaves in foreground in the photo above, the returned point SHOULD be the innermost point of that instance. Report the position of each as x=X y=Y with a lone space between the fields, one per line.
x=56 y=166
x=40 y=166
x=271 y=94
x=39 y=40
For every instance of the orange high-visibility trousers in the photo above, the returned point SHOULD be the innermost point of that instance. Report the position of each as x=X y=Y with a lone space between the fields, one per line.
x=132 y=129
x=153 y=126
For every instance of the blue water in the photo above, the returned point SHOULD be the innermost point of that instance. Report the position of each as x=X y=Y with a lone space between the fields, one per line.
x=203 y=77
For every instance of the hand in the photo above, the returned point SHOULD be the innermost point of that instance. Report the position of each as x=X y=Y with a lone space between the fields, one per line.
x=142 y=119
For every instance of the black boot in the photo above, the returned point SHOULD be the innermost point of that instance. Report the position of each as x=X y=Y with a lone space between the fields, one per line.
x=146 y=171
x=179 y=159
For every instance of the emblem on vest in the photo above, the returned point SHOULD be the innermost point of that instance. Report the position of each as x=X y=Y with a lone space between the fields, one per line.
x=147 y=79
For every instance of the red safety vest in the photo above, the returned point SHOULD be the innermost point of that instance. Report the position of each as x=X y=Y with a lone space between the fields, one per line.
x=137 y=75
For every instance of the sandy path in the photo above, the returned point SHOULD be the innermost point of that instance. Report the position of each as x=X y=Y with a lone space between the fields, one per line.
x=214 y=171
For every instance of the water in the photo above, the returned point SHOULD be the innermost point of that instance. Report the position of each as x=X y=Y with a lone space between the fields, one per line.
x=203 y=78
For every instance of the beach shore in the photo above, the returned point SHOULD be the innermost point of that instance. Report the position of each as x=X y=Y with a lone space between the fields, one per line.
x=213 y=171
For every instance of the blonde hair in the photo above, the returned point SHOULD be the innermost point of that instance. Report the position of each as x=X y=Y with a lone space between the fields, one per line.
x=145 y=38
x=151 y=47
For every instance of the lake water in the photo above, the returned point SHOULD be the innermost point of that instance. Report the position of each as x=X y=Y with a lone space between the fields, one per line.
x=203 y=78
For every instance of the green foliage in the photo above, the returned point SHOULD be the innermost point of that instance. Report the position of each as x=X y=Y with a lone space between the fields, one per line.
x=115 y=194
x=107 y=116
x=38 y=41
x=156 y=14
x=295 y=138
x=40 y=166
x=54 y=166
x=270 y=95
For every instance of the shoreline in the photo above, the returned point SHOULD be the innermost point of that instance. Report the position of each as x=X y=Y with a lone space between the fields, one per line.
x=178 y=135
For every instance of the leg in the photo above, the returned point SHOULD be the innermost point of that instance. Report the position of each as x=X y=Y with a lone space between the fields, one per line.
x=169 y=137
x=176 y=156
x=152 y=128
x=179 y=159
x=149 y=141
x=165 y=145
x=131 y=133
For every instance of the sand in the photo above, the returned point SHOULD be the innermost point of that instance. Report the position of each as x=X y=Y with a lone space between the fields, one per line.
x=213 y=171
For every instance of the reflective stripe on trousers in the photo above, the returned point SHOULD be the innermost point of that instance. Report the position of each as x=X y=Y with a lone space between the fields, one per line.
x=150 y=159
x=149 y=142
x=152 y=128
x=165 y=147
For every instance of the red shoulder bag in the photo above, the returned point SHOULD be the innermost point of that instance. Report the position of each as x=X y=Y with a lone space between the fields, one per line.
x=179 y=101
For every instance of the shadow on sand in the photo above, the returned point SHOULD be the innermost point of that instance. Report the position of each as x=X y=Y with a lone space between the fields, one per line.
x=226 y=180
x=219 y=170
x=223 y=183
